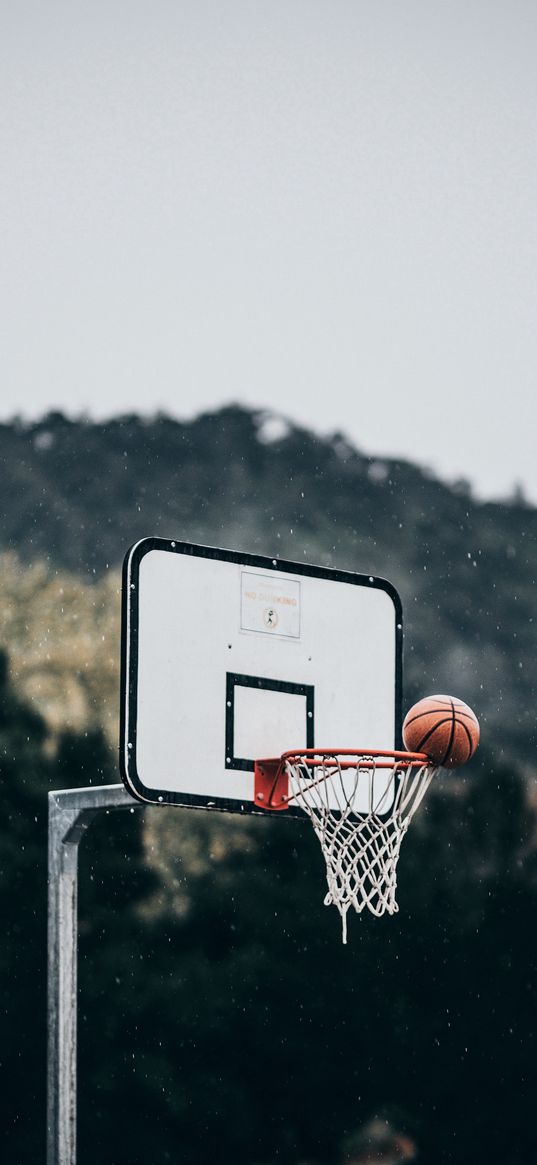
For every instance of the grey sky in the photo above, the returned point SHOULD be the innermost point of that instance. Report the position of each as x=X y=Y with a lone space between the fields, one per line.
x=322 y=207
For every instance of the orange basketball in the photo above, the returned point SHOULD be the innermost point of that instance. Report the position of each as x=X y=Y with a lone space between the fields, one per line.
x=444 y=728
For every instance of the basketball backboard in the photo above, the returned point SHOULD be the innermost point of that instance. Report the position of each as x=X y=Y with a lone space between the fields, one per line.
x=228 y=657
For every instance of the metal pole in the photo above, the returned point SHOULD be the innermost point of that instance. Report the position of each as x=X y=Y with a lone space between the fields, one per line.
x=70 y=813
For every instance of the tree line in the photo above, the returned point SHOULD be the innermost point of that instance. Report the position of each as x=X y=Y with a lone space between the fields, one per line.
x=220 y=1017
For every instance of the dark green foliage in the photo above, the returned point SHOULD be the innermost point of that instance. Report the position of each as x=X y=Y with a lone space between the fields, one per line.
x=247 y=1033
x=24 y=774
x=243 y=1031
x=27 y=772
x=79 y=493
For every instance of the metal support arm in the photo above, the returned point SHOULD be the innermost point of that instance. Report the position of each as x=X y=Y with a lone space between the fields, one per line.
x=70 y=813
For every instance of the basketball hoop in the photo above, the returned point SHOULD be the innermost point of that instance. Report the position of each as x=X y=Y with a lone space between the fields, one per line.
x=360 y=803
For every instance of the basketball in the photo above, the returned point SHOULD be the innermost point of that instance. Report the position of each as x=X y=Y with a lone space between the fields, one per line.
x=444 y=728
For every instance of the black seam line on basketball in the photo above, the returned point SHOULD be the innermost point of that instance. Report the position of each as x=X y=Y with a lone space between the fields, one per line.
x=460 y=707
x=419 y=716
x=431 y=712
x=451 y=735
x=470 y=741
x=439 y=724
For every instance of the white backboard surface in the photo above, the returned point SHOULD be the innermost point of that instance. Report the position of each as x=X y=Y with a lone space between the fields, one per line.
x=228 y=657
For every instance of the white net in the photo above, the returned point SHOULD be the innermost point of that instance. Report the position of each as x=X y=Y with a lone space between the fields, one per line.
x=360 y=812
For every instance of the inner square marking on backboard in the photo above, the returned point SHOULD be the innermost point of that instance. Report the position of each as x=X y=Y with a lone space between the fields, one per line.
x=291 y=707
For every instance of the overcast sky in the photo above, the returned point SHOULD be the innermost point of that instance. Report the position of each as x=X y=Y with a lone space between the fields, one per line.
x=322 y=207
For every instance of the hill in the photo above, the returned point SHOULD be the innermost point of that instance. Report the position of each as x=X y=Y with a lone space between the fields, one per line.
x=77 y=493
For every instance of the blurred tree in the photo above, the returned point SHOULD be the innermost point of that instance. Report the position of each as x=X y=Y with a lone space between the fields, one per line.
x=220 y=1016
x=238 y=1026
x=466 y=570
x=27 y=771
x=24 y=777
